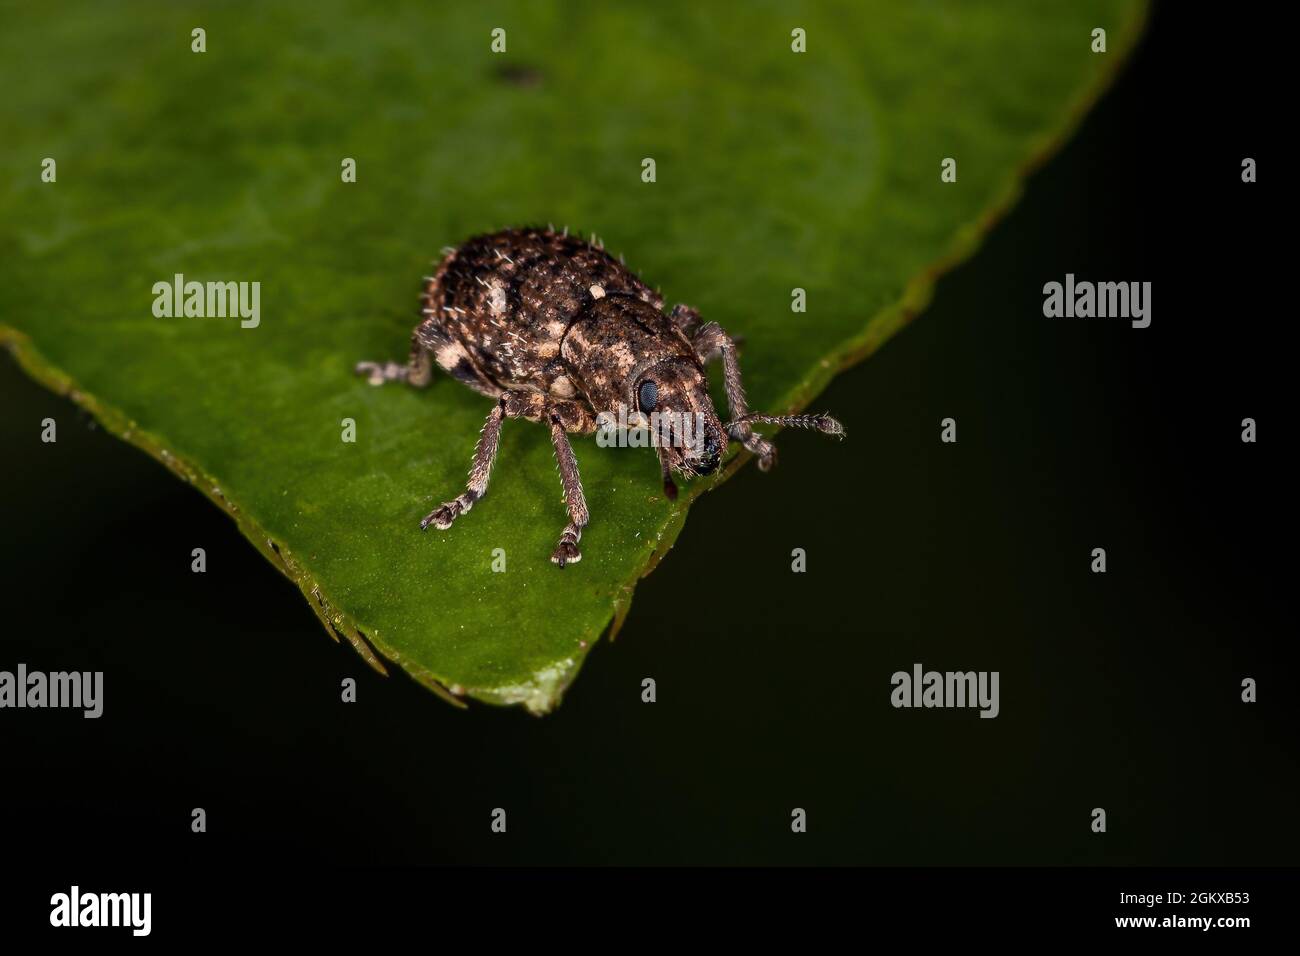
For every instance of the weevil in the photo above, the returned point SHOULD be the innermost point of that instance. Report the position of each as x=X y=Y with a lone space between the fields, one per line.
x=558 y=331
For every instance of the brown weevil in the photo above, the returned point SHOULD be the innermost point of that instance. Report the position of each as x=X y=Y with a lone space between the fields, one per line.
x=559 y=332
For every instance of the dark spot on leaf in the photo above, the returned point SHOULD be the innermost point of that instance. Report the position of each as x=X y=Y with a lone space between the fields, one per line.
x=525 y=77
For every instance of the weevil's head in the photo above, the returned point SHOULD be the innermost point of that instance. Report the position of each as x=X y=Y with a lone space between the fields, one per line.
x=674 y=395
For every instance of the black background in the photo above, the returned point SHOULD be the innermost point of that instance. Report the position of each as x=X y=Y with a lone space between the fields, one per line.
x=1119 y=690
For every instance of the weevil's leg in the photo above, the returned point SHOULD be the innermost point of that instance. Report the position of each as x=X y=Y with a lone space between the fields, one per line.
x=710 y=340
x=479 y=471
x=566 y=552
x=666 y=473
x=688 y=320
x=418 y=371
x=685 y=318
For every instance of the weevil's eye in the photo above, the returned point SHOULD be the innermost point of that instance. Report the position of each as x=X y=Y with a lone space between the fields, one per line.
x=647 y=396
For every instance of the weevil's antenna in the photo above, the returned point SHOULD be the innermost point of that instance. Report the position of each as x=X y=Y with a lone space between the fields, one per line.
x=822 y=423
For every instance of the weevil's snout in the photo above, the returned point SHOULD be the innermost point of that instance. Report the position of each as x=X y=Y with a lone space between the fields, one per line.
x=709 y=451
x=705 y=439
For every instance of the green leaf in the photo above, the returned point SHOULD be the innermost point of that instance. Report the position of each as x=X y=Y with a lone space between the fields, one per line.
x=775 y=170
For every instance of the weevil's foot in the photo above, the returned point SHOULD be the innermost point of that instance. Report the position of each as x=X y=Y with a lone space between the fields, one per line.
x=766 y=453
x=670 y=489
x=442 y=517
x=828 y=425
x=377 y=373
x=566 y=552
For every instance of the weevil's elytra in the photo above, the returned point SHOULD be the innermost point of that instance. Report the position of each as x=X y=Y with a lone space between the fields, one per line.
x=557 y=331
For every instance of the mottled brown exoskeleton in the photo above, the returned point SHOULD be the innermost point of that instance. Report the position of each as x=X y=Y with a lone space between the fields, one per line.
x=558 y=331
